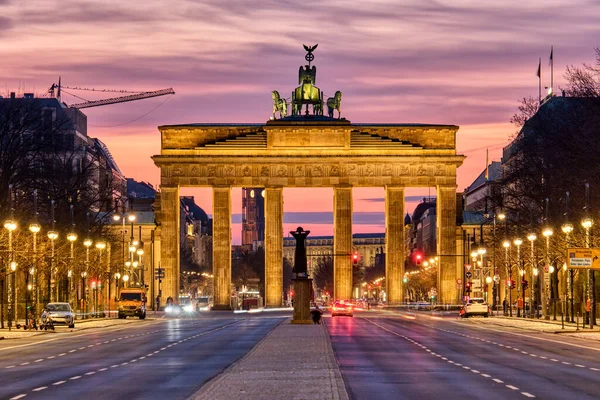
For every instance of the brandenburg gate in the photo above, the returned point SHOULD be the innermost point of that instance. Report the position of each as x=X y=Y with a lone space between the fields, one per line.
x=309 y=150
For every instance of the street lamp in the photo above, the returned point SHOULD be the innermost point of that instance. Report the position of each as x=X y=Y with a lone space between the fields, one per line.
x=71 y=237
x=507 y=287
x=532 y=238
x=567 y=229
x=518 y=242
x=548 y=232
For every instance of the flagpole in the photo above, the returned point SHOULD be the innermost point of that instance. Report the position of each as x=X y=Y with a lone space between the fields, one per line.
x=540 y=80
x=552 y=70
x=487 y=171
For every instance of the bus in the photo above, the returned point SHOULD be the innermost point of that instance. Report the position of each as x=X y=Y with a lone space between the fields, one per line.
x=204 y=303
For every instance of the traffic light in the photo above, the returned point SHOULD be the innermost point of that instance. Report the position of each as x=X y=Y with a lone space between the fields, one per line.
x=418 y=258
x=355 y=258
x=404 y=280
x=468 y=287
x=524 y=284
x=510 y=283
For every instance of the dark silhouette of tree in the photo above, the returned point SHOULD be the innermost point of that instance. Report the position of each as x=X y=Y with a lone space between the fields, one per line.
x=584 y=81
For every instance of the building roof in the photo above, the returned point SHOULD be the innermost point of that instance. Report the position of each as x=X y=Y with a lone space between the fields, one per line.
x=494 y=174
x=197 y=212
x=473 y=218
x=140 y=190
x=423 y=206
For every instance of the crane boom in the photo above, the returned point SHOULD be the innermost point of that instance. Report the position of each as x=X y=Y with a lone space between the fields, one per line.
x=123 y=99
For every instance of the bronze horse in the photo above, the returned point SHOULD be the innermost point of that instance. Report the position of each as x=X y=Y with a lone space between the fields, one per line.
x=279 y=105
x=333 y=103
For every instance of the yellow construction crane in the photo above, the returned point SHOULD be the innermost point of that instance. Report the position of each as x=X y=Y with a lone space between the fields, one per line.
x=131 y=96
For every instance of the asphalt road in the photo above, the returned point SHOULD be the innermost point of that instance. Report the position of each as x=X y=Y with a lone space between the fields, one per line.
x=152 y=359
x=407 y=357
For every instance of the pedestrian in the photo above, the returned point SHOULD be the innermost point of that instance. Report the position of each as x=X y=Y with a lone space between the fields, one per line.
x=316 y=315
x=504 y=306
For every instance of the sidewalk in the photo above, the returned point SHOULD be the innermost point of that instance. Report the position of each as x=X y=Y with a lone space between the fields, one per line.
x=291 y=362
x=80 y=324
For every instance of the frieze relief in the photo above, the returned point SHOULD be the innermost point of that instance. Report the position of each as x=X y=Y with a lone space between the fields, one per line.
x=299 y=171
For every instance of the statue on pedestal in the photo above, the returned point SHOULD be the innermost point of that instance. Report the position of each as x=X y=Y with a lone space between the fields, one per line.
x=300 y=264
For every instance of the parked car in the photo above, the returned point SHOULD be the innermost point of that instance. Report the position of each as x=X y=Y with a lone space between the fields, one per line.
x=342 y=307
x=59 y=313
x=475 y=306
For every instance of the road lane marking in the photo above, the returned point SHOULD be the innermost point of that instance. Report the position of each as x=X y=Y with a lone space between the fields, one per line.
x=449 y=361
x=527 y=394
x=75 y=377
x=62 y=354
x=580 y=366
x=90 y=373
x=40 y=389
x=10 y=366
x=58 y=383
x=51 y=357
x=18 y=397
x=102 y=369
x=114 y=366
x=39 y=360
x=594 y=369
x=25 y=363
x=72 y=351
x=82 y=347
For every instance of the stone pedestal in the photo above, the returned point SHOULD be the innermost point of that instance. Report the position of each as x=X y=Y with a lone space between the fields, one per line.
x=302 y=301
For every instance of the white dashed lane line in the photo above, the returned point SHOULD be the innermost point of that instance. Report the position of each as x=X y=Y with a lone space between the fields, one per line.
x=511 y=348
x=90 y=373
x=526 y=394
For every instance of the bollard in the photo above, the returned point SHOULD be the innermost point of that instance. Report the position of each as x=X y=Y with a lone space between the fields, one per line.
x=577 y=320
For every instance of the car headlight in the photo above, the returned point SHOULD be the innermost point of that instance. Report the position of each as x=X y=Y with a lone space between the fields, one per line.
x=188 y=308
x=169 y=309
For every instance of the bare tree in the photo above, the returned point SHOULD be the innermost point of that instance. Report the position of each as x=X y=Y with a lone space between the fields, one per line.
x=584 y=81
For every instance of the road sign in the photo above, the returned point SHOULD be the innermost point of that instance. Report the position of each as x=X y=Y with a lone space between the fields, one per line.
x=476 y=283
x=468 y=275
x=583 y=258
x=497 y=278
x=159 y=273
x=458 y=281
x=468 y=267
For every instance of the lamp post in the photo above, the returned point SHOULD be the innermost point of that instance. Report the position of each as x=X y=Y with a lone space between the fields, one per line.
x=71 y=237
x=567 y=229
x=483 y=272
x=518 y=242
x=546 y=279
x=587 y=223
x=87 y=243
x=35 y=228
x=508 y=286
x=10 y=225
x=532 y=237
x=100 y=245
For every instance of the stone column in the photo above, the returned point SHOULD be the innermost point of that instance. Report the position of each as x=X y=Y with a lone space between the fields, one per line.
x=170 y=236
x=342 y=243
x=222 y=248
x=394 y=244
x=273 y=246
x=446 y=244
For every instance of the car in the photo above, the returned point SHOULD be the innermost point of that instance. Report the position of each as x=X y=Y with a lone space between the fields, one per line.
x=475 y=306
x=173 y=310
x=59 y=313
x=342 y=308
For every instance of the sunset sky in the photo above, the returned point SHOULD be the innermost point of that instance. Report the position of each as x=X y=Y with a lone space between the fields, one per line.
x=457 y=62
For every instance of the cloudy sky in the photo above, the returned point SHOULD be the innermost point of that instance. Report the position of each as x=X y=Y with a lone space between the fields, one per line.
x=456 y=62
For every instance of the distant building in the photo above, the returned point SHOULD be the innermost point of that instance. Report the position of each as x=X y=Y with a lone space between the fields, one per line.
x=477 y=196
x=369 y=246
x=68 y=130
x=422 y=231
x=196 y=232
x=253 y=217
